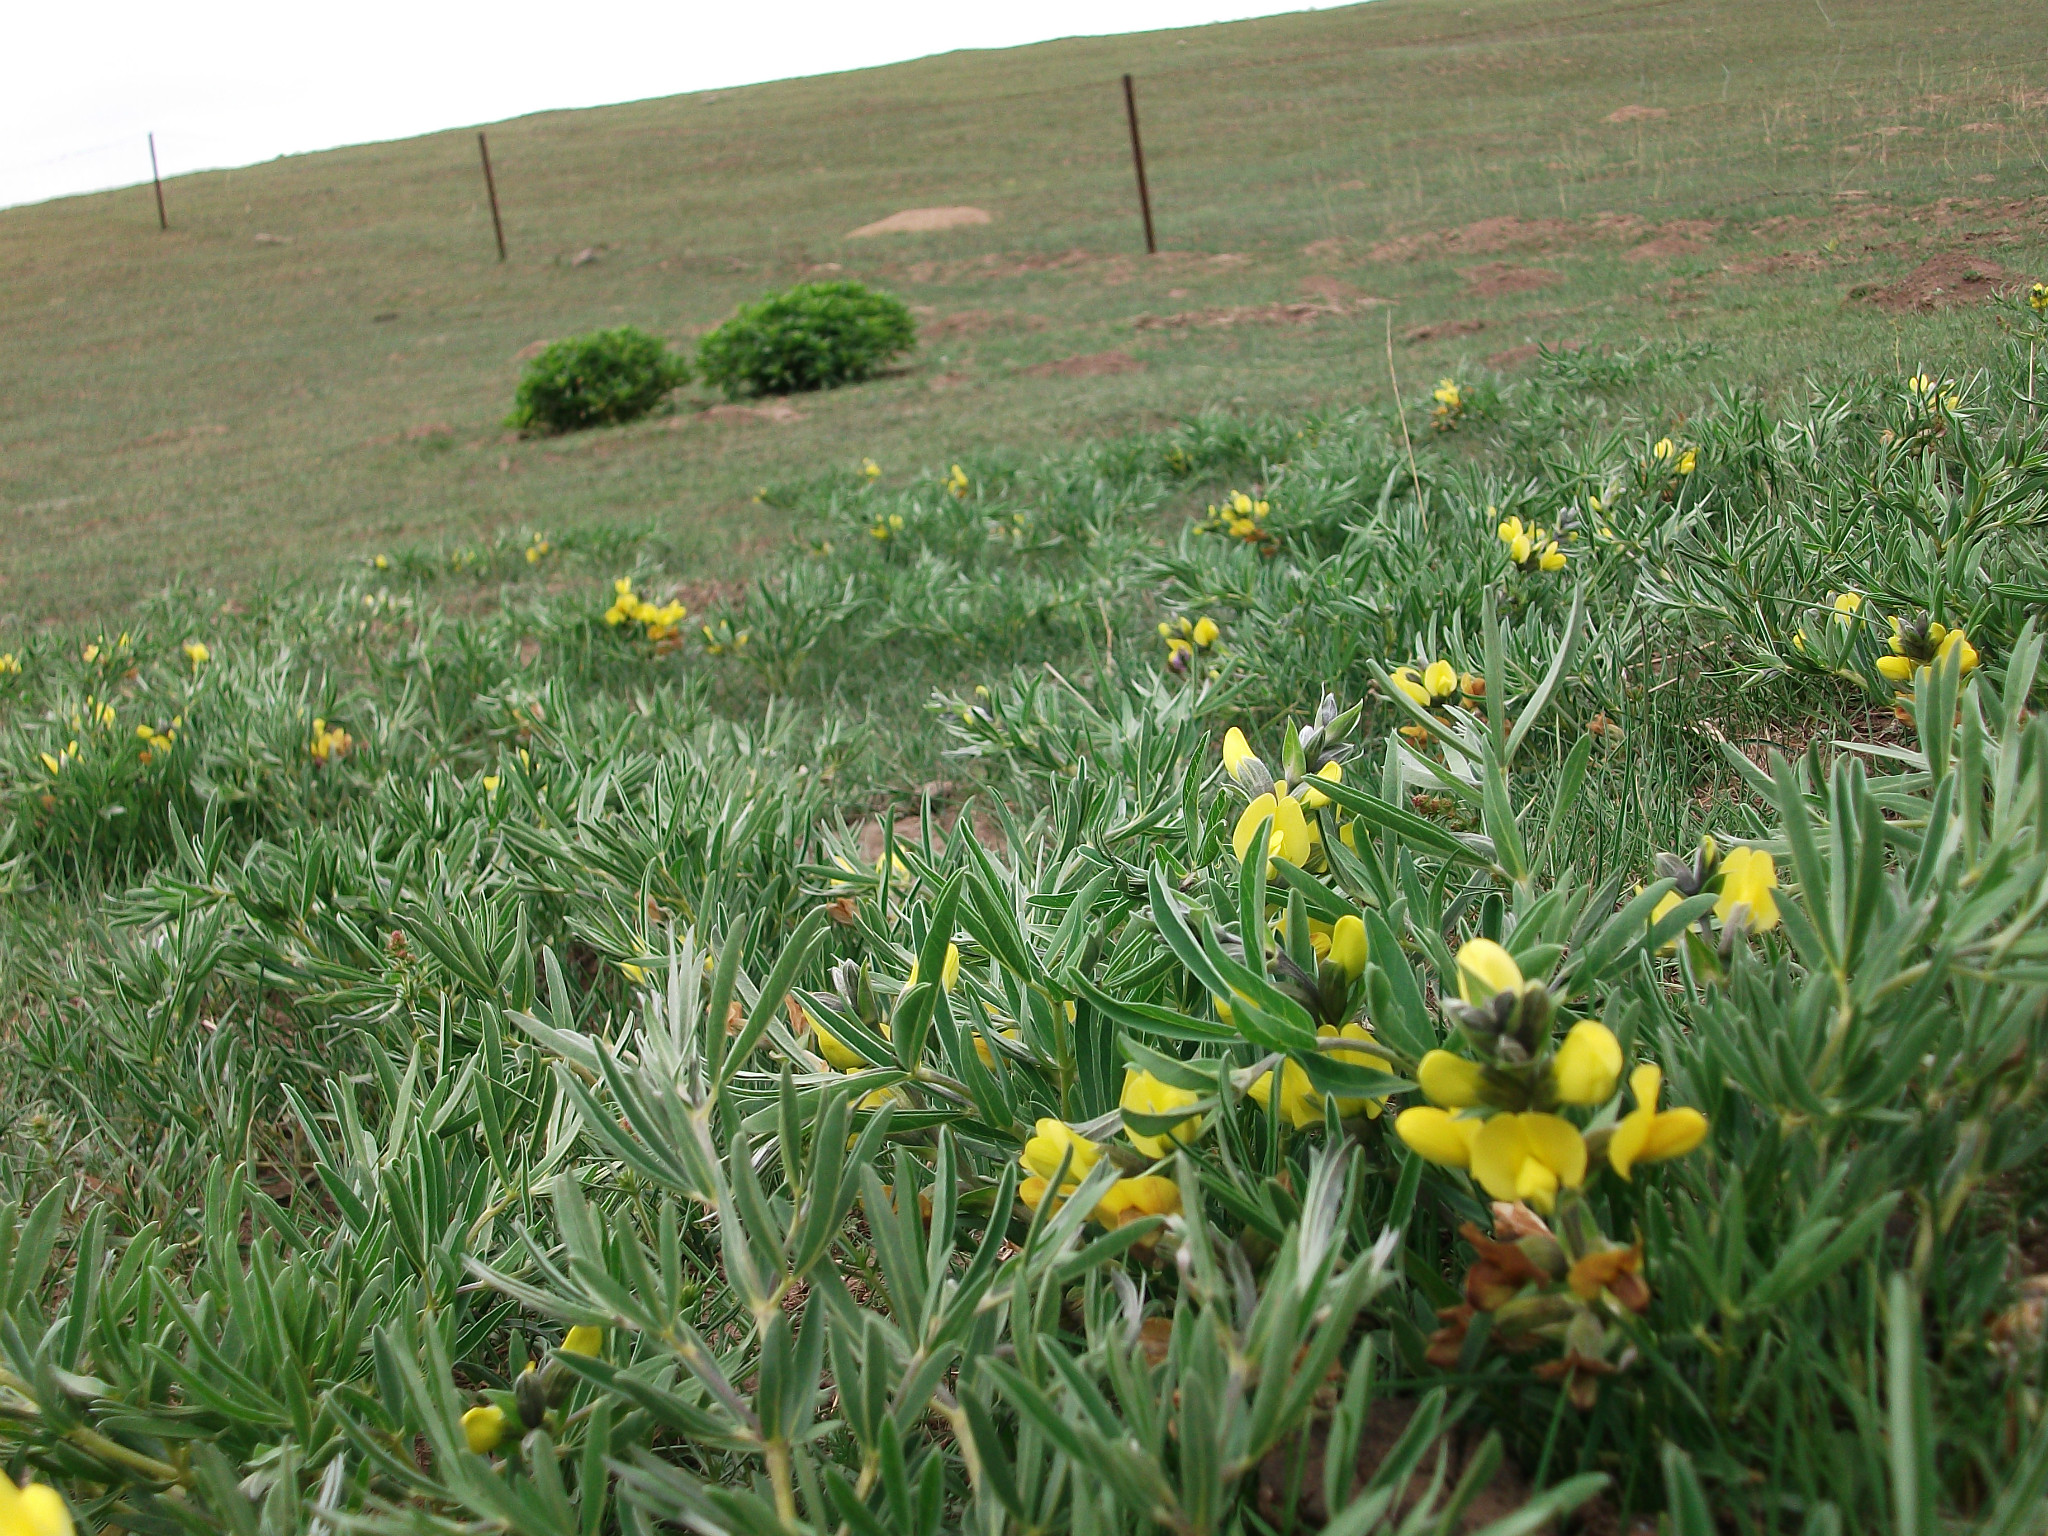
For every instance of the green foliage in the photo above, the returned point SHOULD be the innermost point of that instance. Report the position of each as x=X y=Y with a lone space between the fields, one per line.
x=596 y=380
x=812 y=336
x=564 y=995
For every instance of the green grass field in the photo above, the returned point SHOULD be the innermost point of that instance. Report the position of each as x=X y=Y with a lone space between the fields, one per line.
x=1230 y=948
x=199 y=406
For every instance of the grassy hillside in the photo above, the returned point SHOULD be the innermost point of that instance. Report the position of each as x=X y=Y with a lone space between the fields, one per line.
x=203 y=406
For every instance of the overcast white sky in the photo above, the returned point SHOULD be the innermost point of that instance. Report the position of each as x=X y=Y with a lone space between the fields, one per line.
x=231 y=82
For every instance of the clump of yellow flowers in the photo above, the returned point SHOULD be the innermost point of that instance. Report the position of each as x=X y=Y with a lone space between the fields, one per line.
x=1311 y=756
x=1449 y=408
x=536 y=1391
x=723 y=640
x=156 y=740
x=1327 y=991
x=1745 y=881
x=538 y=550
x=1243 y=518
x=1494 y=1112
x=885 y=528
x=10 y=664
x=662 y=623
x=329 y=743
x=197 y=654
x=1921 y=642
x=1925 y=389
x=870 y=469
x=1828 y=641
x=1185 y=639
x=2037 y=298
x=957 y=483
x=1530 y=548
x=1669 y=457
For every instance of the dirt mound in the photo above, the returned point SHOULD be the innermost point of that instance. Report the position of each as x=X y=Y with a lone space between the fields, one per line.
x=1634 y=114
x=1681 y=237
x=1954 y=277
x=1300 y=312
x=1437 y=330
x=913 y=221
x=1484 y=237
x=1513 y=357
x=1090 y=365
x=1331 y=290
x=778 y=411
x=530 y=351
x=979 y=322
x=1499 y=277
x=1324 y=250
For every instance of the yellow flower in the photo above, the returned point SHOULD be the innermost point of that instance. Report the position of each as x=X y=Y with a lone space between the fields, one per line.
x=1847 y=606
x=1664 y=448
x=1347 y=946
x=1687 y=460
x=957 y=481
x=1438 y=1136
x=871 y=469
x=1205 y=632
x=32 y=1510
x=1145 y=1094
x=490 y=783
x=9 y=664
x=1149 y=1194
x=1528 y=1157
x=836 y=1051
x=1448 y=394
x=1450 y=1080
x=949 y=970
x=582 y=1340
x=1484 y=968
x=197 y=653
x=1235 y=750
x=1647 y=1135
x=1748 y=877
x=1041 y=1159
x=1314 y=799
x=1289 y=838
x=328 y=745
x=1587 y=1064
x=382 y=562
x=1299 y=1100
x=484 y=1428
x=1529 y=546
x=2037 y=298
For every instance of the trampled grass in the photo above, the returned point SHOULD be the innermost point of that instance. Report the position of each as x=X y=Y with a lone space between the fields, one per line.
x=201 y=406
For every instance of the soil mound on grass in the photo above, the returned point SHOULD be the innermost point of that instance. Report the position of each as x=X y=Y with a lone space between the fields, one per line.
x=915 y=221
x=1954 y=277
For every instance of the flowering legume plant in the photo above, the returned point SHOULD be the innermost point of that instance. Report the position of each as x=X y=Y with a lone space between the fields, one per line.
x=1396 y=1045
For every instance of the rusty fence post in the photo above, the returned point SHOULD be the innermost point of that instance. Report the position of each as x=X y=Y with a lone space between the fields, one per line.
x=483 y=146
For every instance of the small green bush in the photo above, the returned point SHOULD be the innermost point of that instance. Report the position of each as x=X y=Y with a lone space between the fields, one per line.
x=596 y=380
x=813 y=336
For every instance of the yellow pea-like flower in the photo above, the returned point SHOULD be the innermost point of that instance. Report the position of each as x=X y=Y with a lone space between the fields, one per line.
x=1484 y=968
x=583 y=1339
x=1437 y=1135
x=1587 y=1064
x=1347 y=945
x=1529 y=1157
x=1235 y=750
x=1449 y=1080
x=1289 y=838
x=1331 y=772
x=1749 y=876
x=483 y=1428
x=1205 y=632
x=1149 y=1194
x=1145 y=1094
x=1647 y=1134
x=1048 y=1144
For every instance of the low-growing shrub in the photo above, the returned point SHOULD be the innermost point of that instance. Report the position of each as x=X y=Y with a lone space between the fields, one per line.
x=601 y=379
x=812 y=336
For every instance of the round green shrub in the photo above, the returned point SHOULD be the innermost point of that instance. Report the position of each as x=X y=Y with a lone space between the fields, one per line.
x=812 y=336
x=596 y=380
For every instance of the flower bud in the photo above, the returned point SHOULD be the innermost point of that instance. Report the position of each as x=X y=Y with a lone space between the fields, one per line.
x=1587 y=1065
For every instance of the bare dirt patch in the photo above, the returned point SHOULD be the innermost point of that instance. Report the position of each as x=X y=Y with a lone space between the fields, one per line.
x=778 y=411
x=1635 y=114
x=1331 y=249
x=1301 y=312
x=1498 y=277
x=1513 y=357
x=1783 y=261
x=1952 y=278
x=1681 y=237
x=1090 y=365
x=979 y=322
x=416 y=434
x=918 y=221
x=530 y=351
x=1331 y=290
x=177 y=435
x=1484 y=237
x=1438 y=330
